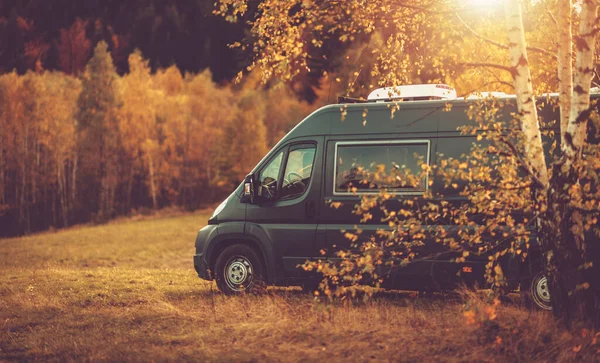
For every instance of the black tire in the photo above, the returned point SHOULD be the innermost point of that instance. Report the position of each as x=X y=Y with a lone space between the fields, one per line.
x=535 y=293
x=238 y=270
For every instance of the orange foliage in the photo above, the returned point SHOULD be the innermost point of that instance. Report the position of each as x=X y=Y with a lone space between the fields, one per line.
x=73 y=47
x=161 y=139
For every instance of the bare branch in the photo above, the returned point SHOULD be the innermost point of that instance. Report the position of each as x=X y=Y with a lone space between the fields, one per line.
x=498 y=44
x=489 y=65
x=498 y=80
x=484 y=87
x=552 y=17
x=596 y=75
x=522 y=161
x=499 y=187
x=551 y=14
x=410 y=5
x=586 y=210
x=487 y=40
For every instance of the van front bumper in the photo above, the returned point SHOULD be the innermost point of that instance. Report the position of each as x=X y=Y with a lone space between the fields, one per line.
x=201 y=264
x=201 y=267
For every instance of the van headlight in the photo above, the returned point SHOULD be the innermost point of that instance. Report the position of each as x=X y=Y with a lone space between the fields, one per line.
x=219 y=208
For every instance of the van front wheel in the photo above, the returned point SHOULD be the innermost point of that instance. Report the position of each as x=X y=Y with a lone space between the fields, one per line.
x=238 y=270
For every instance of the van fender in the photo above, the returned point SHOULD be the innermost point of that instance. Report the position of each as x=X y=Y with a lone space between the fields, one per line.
x=231 y=232
x=257 y=233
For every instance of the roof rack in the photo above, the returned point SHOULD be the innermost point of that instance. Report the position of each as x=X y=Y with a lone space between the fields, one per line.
x=482 y=95
x=344 y=99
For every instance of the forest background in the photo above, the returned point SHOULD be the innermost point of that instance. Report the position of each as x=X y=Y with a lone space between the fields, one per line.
x=109 y=108
x=102 y=116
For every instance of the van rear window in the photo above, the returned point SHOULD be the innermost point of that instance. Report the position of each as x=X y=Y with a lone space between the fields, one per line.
x=366 y=167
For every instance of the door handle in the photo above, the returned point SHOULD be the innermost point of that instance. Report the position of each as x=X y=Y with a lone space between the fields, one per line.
x=311 y=210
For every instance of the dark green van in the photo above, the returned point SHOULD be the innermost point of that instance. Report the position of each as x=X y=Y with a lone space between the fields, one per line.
x=280 y=216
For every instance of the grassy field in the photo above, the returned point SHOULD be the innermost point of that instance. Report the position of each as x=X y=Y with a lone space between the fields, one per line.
x=128 y=291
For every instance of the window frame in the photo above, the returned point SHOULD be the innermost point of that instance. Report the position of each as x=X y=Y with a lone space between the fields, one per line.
x=286 y=150
x=381 y=142
x=283 y=151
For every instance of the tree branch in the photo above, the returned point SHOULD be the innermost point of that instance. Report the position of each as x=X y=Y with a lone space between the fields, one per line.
x=551 y=14
x=523 y=163
x=596 y=75
x=480 y=189
x=487 y=40
x=490 y=65
x=410 y=5
x=498 y=44
x=498 y=80
x=586 y=210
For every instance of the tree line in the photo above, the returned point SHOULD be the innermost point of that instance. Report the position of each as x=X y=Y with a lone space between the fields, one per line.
x=89 y=148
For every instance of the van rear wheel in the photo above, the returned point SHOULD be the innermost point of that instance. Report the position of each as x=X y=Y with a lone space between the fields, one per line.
x=535 y=292
x=238 y=270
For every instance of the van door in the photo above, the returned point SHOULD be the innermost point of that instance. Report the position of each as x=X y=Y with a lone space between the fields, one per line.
x=348 y=161
x=287 y=208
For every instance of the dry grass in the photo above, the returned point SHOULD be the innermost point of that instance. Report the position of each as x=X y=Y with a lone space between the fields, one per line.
x=128 y=291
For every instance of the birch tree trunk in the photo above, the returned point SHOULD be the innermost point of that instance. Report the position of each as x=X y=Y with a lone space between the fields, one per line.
x=63 y=192
x=23 y=214
x=524 y=90
x=584 y=72
x=562 y=246
x=565 y=66
x=129 y=188
x=152 y=182
x=574 y=303
x=74 y=181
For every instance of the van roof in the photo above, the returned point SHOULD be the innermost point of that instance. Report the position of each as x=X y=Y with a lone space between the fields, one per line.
x=408 y=117
x=415 y=117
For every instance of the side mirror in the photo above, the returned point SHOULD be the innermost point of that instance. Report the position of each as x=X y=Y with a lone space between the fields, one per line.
x=248 y=195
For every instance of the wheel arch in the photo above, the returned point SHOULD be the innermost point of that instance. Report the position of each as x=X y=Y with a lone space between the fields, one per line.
x=220 y=245
x=517 y=268
x=532 y=264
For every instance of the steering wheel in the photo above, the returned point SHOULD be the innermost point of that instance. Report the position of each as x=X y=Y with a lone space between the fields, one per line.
x=294 y=180
x=268 y=185
x=294 y=174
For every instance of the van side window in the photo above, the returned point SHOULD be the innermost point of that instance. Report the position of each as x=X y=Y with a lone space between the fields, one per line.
x=298 y=171
x=364 y=167
x=269 y=176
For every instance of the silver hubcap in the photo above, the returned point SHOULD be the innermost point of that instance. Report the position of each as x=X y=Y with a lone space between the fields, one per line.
x=238 y=273
x=541 y=293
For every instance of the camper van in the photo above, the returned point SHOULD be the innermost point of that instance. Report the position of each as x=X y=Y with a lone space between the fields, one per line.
x=281 y=216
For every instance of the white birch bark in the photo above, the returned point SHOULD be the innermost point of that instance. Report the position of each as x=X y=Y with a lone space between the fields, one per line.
x=62 y=184
x=74 y=180
x=565 y=66
x=152 y=183
x=584 y=72
x=524 y=90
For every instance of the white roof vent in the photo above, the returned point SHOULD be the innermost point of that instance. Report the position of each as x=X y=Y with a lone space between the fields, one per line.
x=415 y=92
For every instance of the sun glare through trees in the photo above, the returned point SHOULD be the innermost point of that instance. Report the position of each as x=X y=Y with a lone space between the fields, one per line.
x=352 y=147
